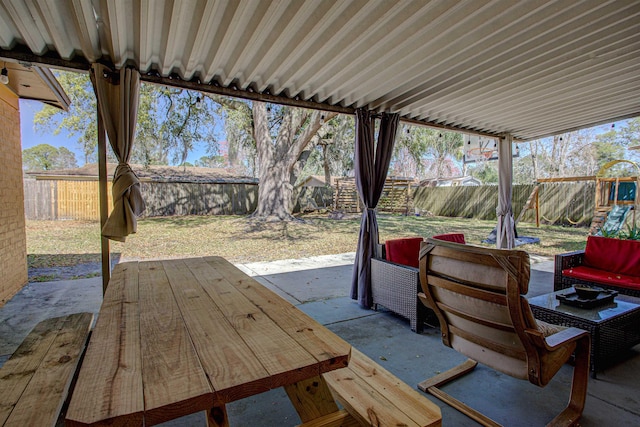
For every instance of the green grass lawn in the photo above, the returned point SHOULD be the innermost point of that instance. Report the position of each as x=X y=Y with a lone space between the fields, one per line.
x=64 y=243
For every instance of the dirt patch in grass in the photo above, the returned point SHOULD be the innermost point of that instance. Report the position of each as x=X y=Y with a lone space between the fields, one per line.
x=71 y=249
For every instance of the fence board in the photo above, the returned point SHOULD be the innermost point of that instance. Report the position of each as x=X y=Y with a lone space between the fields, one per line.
x=560 y=203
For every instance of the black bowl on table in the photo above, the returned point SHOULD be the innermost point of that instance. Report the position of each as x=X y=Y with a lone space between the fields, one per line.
x=587 y=292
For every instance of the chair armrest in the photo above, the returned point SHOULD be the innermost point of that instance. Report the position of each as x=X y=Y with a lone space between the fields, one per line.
x=562 y=262
x=395 y=269
x=569 y=259
x=557 y=340
x=395 y=287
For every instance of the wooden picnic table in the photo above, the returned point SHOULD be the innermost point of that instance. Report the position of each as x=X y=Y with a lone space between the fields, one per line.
x=175 y=337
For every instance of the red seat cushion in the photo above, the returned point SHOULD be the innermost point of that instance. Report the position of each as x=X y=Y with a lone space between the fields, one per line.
x=451 y=237
x=614 y=255
x=404 y=251
x=591 y=274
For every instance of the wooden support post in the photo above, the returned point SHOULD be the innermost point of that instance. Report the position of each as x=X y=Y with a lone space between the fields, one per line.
x=537 y=209
x=104 y=200
x=311 y=398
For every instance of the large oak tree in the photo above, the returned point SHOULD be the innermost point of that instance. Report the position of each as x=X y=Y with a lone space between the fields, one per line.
x=282 y=137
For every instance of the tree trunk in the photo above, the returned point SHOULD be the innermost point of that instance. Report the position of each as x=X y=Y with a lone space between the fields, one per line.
x=274 y=193
x=277 y=159
x=325 y=164
x=533 y=146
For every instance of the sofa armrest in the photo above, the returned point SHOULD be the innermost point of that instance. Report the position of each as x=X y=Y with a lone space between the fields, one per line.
x=562 y=262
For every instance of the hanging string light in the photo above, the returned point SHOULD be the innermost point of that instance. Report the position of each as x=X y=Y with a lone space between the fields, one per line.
x=4 y=75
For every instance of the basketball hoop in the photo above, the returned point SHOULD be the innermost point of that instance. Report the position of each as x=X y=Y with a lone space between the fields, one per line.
x=480 y=152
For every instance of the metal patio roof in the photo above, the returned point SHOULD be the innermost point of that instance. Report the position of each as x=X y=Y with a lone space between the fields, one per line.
x=531 y=68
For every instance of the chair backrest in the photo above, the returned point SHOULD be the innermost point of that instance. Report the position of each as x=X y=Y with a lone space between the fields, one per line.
x=478 y=296
x=451 y=237
x=403 y=251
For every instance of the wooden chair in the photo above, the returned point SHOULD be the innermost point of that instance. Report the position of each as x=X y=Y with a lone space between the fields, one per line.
x=478 y=296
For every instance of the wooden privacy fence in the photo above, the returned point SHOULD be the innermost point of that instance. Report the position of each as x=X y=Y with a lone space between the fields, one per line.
x=59 y=199
x=170 y=198
x=559 y=203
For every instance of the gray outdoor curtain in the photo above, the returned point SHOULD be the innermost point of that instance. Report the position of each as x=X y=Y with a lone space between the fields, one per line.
x=118 y=96
x=371 y=166
x=505 y=235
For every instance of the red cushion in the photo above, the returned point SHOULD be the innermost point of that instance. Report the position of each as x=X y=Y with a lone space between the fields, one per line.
x=451 y=237
x=601 y=276
x=404 y=251
x=615 y=255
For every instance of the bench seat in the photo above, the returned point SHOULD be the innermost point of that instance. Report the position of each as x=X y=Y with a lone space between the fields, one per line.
x=375 y=397
x=35 y=381
x=602 y=277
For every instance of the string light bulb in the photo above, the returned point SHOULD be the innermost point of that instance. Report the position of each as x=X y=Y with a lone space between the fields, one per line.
x=4 y=75
x=321 y=118
x=199 y=103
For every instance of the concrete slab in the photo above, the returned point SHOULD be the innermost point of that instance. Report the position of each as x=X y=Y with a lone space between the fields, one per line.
x=320 y=287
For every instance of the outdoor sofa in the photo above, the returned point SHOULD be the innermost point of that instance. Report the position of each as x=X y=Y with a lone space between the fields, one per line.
x=395 y=278
x=605 y=262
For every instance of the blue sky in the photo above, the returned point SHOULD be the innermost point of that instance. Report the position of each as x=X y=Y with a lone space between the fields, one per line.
x=32 y=138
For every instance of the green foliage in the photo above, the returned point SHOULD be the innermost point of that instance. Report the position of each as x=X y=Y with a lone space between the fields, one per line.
x=45 y=157
x=486 y=172
x=608 y=147
x=238 y=126
x=170 y=121
x=334 y=149
x=609 y=233
x=185 y=120
x=211 y=162
x=426 y=152
x=632 y=233
x=80 y=120
x=579 y=153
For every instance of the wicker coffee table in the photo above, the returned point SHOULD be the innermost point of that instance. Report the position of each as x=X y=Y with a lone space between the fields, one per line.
x=614 y=326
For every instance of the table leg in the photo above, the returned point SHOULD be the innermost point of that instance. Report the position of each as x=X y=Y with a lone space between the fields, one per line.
x=217 y=417
x=311 y=398
x=595 y=350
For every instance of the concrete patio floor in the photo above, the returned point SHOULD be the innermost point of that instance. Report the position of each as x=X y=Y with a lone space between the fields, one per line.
x=320 y=287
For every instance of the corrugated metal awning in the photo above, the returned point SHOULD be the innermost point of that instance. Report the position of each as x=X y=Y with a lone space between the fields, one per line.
x=530 y=68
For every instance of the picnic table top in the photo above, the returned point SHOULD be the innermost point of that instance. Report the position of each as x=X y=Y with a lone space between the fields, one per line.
x=174 y=337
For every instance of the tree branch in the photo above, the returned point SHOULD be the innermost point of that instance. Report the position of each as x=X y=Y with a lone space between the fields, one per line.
x=312 y=129
x=231 y=103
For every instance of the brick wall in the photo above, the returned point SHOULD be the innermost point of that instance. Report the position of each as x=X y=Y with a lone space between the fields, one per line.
x=13 y=241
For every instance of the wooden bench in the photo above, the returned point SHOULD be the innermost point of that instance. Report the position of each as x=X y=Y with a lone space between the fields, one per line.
x=373 y=396
x=35 y=381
